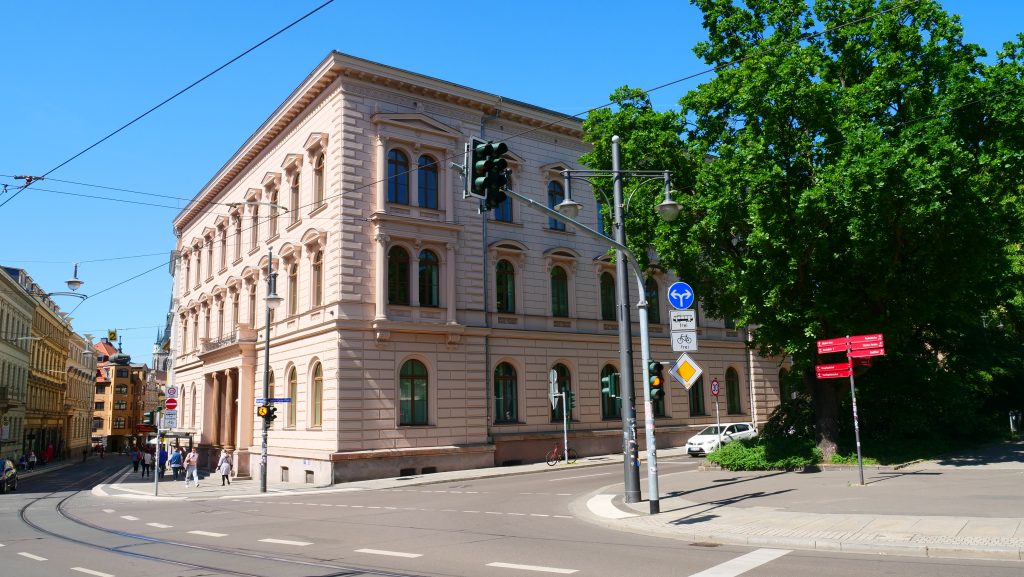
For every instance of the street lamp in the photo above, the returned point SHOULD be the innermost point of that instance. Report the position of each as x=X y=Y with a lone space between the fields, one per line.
x=273 y=301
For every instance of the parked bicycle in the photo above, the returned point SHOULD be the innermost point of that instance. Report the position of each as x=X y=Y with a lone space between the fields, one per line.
x=555 y=455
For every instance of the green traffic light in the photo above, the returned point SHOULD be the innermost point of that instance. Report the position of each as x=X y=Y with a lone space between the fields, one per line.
x=611 y=385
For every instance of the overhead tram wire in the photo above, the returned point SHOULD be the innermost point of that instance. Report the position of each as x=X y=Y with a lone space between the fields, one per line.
x=172 y=97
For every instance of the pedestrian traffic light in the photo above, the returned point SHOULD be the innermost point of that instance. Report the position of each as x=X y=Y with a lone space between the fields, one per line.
x=656 y=380
x=611 y=385
x=572 y=399
x=147 y=418
x=267 y=412
x=486 y=179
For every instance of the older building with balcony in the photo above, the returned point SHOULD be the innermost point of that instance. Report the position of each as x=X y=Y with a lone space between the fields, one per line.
x=415 y=334
x=16 y=310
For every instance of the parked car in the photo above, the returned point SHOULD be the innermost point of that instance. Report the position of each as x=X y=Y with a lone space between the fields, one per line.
x=9 y=481
x=707 y=440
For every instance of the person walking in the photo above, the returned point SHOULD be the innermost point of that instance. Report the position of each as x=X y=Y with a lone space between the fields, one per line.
x=224 y=466
x=192 y=466
x=176 y=463
x=136 y=459
x=162 y=461
x=147 y=463
x=32 y=460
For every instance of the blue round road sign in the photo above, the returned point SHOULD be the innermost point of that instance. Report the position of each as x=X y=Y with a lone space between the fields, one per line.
x=680 y=295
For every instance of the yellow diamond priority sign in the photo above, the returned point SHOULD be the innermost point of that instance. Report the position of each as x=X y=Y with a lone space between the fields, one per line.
x=686 y=371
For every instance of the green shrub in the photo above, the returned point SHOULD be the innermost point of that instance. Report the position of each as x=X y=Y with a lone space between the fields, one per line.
x=763 y=455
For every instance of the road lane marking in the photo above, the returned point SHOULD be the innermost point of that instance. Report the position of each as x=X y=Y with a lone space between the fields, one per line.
x=91 y=572
x=129 y=517
x=285 y=542
x=533 y=568
x=601 y=505
x=31 y=556
x=208 y=534
x=108 y=510
x=160 y=525
x=580 y=477
x=743 y=563
x=389 y=553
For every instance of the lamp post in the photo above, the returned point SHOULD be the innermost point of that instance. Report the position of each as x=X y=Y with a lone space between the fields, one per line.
x=273 y=301
x=668 y=210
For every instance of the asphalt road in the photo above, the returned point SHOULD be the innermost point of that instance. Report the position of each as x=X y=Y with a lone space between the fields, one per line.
x=502 y=526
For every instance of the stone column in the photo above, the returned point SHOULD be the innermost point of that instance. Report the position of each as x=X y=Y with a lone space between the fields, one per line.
x=381 y=276
x=227 y=419
x=381 y=155
x=449 y=278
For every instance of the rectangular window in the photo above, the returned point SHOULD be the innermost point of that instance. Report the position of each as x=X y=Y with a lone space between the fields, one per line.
x=99 y=405
x=696 y=395
x=121 y=389
x=122 y=372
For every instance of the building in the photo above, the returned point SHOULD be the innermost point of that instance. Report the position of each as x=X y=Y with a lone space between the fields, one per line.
x=415 y=334
x=79 y=403
x=16 y=310
x=124 y=393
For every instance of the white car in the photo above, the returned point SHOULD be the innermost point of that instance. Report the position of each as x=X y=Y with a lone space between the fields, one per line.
x=707 y=440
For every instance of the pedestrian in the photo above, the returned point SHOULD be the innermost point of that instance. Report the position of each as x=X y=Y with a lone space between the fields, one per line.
x=176 y=462
x=32 y=460
x=224 y=466
x=85 y=454
x=192 y=467
x=136 y=458
x=163 y=461
x=147 y=463
x=22 y=463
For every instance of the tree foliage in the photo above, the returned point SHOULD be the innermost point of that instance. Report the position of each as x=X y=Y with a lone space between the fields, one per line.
x=852 y=167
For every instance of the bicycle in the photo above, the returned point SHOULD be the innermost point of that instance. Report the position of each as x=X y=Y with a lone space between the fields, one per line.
x=555 y=455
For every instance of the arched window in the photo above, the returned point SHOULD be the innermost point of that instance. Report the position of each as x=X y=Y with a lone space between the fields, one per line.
x=427 y=178
x=732 y=392
x=505 y=278
x=506 y=402
x=564 y=385
x=398 y=177
x=294 y=207
x=293 y=393
x=696 y=394
x=412 y=393
x=611 y=406
x=429 y=279
x=318 y=180
x=273 y=214
x=555 y=197
x=238 y=236
x=318 y=278
x=293 y=289
x=192 y=409
x=559 y=292
x=252 y=305
x=316 y=397
x=607 y=297
x=653 y=304
x=398 y=276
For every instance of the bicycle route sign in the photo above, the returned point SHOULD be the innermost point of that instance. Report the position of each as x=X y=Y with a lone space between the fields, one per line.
x=684 y=341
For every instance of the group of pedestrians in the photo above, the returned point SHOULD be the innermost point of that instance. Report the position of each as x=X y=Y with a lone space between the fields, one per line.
x=184 y=465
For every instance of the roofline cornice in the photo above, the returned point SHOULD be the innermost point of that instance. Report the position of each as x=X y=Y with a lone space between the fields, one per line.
x=338 y=64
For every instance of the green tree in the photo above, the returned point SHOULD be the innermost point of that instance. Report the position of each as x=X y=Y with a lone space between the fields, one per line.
x=862 y=178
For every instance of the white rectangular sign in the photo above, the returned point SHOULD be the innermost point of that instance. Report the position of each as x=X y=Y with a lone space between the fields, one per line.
x=684 y=341
x=553 y=388
x=170 y=418
x=685 y=320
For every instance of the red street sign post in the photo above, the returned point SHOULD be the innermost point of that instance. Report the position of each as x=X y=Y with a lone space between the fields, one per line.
x=859 y=349
x=171 y=404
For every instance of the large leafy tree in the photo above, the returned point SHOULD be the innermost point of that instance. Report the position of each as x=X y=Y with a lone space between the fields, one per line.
x=852 y=167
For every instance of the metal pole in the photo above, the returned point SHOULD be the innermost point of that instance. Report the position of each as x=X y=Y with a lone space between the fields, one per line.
x=630 y=451
x=266 y=371
x=652 y=445
x=856 y=423
x=565 y=425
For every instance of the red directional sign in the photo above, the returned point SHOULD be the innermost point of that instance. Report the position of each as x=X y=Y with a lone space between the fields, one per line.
x=831 y=349
x=833 y=367
x=840 y=342
x=866 y=342
x=834 y=374
x=864 y=353
x=171 y=404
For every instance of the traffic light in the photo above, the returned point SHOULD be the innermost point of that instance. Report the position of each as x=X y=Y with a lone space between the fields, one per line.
x=611 y=385
x=267 y=412
x=572 y=399
x=147 y=417
x=487 y=172
x=657 y=380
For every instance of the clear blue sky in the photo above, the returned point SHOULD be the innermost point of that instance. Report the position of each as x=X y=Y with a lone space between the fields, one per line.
x=73 y=71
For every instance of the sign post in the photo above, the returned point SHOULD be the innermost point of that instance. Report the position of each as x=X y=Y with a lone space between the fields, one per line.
x=718 y=420
x=860 y=347
x=553 y=391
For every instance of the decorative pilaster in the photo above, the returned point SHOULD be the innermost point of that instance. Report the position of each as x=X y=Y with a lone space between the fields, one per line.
x=380 y=278
x=450 y=281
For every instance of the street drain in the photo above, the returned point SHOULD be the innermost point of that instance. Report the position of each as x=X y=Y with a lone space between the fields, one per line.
x=705 y=544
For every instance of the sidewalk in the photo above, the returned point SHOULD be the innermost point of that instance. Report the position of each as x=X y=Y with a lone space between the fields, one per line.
x=969 y=506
